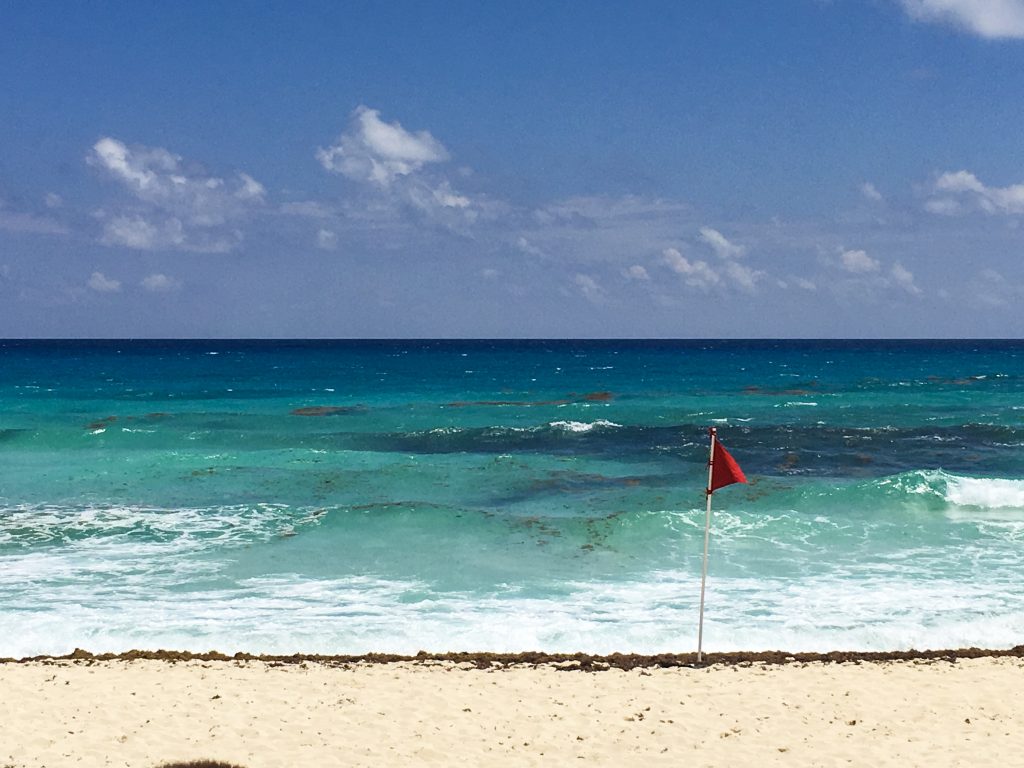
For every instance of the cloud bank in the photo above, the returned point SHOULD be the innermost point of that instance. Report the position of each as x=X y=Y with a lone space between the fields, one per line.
x=176 y=204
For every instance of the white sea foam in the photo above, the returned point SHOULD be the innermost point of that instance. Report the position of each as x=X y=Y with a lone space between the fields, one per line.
x=132 y=527
x=583 y=426
x=986 y=493
x=286 y=614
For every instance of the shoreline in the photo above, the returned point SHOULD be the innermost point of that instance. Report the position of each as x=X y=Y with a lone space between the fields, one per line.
x=579 y=661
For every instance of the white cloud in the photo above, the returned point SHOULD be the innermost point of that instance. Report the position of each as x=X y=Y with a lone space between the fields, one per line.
x=904 y=279
x=53 y=200
x=870 y=192
x=700 y=274
x=326 y=239
x=943 y=206
x=743 y=277
x=985 y=18
x=590 y=288
x=438 y=200
x=636 y=272
x=140 y=233
x=375 y=151
x=159 y=283
x=960 y=181
x=962 y=192
x=135 y=231
x=721 y=245
x=397 y=162
x=103 y=284
x=869 y=277
x=447 y=198
x=179 y=205
x=163 y=179
x=489 y=274
x=805 y=284
x=858 y=262
x=598 y=211
x=697 y=273
x=529 y=248
x=250 y=189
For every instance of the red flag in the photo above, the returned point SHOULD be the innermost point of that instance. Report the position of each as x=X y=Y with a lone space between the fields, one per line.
x=724 y=469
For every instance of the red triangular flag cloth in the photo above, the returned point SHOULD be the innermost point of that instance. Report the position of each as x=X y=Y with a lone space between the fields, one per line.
x=724 y=469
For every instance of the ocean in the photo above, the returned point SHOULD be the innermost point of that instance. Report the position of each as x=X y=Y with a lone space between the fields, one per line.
x=397 y=496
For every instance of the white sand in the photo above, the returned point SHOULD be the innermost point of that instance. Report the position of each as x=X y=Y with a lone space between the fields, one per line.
x=142 y=713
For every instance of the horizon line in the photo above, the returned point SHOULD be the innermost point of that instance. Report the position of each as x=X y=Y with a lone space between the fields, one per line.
x=456 y=339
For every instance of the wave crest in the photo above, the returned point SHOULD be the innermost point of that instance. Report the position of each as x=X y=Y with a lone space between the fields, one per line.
x=583 y=426
x=958 y=490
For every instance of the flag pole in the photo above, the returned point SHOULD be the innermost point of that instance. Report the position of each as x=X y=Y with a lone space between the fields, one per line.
x=707 y=534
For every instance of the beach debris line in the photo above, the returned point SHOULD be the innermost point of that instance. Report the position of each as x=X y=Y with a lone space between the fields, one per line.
x=722 y=471
x=565 y=662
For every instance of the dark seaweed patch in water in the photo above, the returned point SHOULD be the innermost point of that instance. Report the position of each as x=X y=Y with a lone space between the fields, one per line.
x=961 y=381
x=539 y=527
x=623 y=442
x=823 y=450
x=807 y=449
x=521 y=403
x=803 y=388
x=101 y=423
x=326 y=410
x=558 y=482
x=565 y=481
x=10 y=434
x=572 y=397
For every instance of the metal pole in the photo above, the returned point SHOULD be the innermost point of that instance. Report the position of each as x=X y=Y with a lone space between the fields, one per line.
x=707 y=535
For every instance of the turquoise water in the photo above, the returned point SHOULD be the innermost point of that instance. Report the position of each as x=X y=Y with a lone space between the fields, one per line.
x=397 y=496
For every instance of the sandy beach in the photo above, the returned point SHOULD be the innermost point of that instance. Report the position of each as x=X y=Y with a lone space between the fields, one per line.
x=264 y=715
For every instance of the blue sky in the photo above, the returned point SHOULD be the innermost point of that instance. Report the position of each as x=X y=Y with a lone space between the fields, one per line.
x=741 y=169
